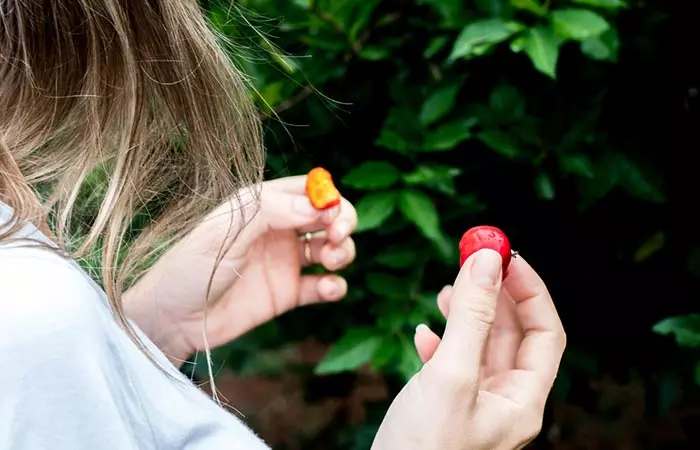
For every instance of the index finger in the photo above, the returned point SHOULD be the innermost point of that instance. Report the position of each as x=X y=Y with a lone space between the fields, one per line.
x=290 y=185
x=339 y=221
x=542 y=348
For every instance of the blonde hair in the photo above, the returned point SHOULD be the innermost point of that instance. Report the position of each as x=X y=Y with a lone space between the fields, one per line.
x=140 y=91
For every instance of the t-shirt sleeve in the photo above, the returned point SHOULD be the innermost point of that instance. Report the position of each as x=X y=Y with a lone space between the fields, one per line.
x=54 y=392
x=73 y=380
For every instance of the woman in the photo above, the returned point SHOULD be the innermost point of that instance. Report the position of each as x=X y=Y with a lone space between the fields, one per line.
x=140 y=91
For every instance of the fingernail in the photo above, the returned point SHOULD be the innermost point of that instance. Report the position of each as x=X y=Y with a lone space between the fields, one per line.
x=303 y=206
x=338 y=255
x=486 y=268
x=331 y=214
x=330 y=287
x=421 y=326
x=343 y=228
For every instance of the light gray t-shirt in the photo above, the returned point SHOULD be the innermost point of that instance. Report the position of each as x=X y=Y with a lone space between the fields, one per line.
x=71 y=379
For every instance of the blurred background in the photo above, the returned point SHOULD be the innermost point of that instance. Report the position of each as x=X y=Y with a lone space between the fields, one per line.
x=541 y=117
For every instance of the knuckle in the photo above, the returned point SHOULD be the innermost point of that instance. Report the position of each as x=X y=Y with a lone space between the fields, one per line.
x=352 y=213
x=491 y=291
x=559 y=338
x=350 y=245
x=562 y=339
x=352 y=251
x=482 y=311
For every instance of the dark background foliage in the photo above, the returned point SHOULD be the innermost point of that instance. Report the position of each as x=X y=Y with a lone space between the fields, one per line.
x=540 y=117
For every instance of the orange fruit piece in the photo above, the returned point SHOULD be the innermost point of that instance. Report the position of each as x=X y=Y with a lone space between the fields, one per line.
x=320 y=189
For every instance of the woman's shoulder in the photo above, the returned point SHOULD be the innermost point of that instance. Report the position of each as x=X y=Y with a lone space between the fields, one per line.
x=46 y=300
x=34 y=270
x=44 y=292
x=30 y=267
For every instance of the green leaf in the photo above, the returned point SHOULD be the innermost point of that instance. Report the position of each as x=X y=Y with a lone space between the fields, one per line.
x=578 y=24
x=576 y=163
x=397 y=257
x=419 y=313
x=596 y=49
x=334 y=45
x=448 y=135
x=604 y=47
x=606 y=4
x=528 y=129
x=361 y=16
x=354 y=349
x=385 y=353
x=517 y=45
x=401 y=131
x=607 y=176
x=392 y=140
x=490 y=8
x=420 y=210
x=374 y=209
x=435 y=176
x=386 y=285
x=544 y=186
x=469 y=202
x=451 y=11
x=500 y=141
x=534 y=6
x=426 y=302
x=634 y=181
x=439 y=104
x=542 y=47
x=374 y=53
x=372 y=175
x=435 y=45
x=390 y=316
x=304 y=4
x=507 y=103
x=482 y=34
x=652 y=245
x=686 y=329
x=409 y=361
x=272 y=93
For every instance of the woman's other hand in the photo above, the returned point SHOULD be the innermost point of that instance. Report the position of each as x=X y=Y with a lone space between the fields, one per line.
x=484 y=384
x=259 y=277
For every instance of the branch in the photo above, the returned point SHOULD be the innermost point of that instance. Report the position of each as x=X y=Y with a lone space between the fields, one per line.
x=293 y=100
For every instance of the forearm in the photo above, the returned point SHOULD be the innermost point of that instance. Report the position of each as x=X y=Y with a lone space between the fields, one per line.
x=159 y=302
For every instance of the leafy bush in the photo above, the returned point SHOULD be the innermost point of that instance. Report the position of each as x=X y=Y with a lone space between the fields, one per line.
x=539 y=117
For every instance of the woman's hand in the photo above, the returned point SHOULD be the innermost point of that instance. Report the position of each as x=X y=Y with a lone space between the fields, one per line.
x=258 y=278
x=484 y=384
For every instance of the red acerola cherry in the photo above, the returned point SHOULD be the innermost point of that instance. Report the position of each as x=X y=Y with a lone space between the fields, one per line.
x=485 y=236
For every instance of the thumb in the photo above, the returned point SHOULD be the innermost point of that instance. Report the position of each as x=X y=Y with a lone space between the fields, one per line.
x=472 y=313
